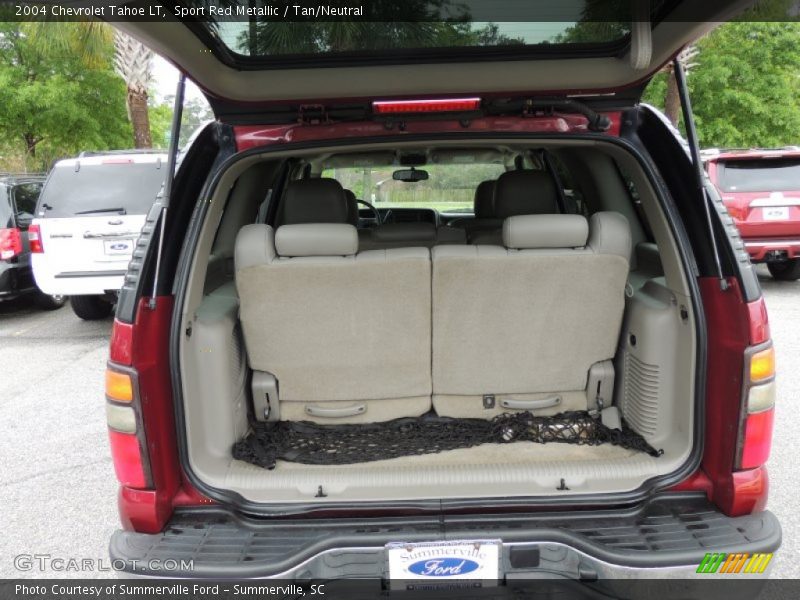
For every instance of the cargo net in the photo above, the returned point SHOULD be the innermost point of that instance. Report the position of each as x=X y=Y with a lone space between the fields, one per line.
x=314 y=444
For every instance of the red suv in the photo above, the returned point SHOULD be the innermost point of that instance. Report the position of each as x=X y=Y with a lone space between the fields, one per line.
x=761 y=189
x=463 y=310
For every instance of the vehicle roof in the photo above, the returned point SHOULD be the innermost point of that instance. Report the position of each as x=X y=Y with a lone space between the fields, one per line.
x=732 y=154
x=15 y=178
x=100 y=159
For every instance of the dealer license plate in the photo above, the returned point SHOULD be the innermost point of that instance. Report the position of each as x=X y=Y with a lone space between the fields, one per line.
x=445 y=561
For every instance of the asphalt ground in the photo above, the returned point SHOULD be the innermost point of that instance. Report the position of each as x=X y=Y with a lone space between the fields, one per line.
x=57 y=484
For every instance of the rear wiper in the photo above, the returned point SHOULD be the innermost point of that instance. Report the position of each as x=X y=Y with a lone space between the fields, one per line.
x=121 y=211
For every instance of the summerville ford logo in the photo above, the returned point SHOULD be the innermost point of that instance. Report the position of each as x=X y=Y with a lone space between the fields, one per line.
x=444 y=561
x=443 y=567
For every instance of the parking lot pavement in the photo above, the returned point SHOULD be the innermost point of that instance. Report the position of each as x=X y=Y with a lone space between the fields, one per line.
x=57 y=482
x=57 y=485
x=783 y=304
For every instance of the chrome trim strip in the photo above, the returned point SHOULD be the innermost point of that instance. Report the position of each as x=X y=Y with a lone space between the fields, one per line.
x=780 y=243
x=775 y=202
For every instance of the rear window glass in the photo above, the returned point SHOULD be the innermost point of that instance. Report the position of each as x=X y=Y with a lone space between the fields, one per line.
x=376 y=29
x=25 y=197
x=449 y=188
x=95 y=189
x=315 y=39
x=759 y=175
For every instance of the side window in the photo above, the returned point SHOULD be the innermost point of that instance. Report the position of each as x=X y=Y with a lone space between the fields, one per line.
x=25 y=197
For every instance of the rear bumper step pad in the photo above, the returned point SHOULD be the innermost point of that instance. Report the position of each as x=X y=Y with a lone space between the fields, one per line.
x=673 y=531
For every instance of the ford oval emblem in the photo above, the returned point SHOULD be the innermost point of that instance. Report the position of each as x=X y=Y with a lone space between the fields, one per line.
x=443 y=567
x=119 y=246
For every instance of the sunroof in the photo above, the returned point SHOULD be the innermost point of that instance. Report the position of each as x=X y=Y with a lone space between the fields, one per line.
x=269 y=31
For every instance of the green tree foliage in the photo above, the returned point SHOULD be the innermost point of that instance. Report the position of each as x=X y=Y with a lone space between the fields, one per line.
x=196 y=112
x=273 y=38
x=745 y=87
x=54 y=104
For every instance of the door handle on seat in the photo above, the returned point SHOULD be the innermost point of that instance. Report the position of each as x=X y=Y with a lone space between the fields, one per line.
x=531 y=404
x=332 y=412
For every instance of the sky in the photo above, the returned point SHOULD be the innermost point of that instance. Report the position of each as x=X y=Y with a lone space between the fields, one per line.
x=165 y=79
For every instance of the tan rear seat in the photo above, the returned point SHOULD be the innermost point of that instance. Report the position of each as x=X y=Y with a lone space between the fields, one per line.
x=346 y=335
x=520 y=326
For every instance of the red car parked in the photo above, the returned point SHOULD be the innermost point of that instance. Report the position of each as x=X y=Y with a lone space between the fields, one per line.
x=761 y=189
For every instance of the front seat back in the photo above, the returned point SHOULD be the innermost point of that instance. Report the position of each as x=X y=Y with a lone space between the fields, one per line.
x=518 y=193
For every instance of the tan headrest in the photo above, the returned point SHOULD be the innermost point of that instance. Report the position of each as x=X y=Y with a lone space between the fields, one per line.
x=316 y=239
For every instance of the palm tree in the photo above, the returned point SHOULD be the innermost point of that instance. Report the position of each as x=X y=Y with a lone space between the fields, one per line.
x=132 y=61
x=672 y=101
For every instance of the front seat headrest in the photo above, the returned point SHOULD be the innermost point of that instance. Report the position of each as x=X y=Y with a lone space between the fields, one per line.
x=319 y=200
x=484 y=200
x=525 y=193
x=352 y=207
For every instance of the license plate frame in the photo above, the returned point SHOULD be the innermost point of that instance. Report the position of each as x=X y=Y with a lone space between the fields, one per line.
x=124 y=247
x=444 y=561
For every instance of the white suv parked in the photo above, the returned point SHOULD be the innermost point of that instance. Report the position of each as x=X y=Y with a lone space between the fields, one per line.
x=88 y=217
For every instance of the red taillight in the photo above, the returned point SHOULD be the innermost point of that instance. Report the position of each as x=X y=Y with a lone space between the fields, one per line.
x=10 y=243
x=35 y=239
x=127 y=437
x=757 y=439
x=385 y=107
x=758 y=393
x=127 y=457
x=738 y=212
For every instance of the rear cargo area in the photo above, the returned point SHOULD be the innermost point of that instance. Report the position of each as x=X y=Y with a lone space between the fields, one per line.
x=561 y=315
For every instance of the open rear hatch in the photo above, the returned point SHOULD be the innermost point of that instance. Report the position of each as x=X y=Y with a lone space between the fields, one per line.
x=266 y=62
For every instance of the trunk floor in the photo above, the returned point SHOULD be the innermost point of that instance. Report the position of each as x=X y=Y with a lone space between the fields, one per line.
x=488 y=470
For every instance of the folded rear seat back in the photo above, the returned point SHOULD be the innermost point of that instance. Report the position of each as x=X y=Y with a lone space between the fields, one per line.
x=346 y=335
x=519 y=326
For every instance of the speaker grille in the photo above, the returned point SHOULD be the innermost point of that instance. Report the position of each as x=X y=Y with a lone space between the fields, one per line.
x=640 y=396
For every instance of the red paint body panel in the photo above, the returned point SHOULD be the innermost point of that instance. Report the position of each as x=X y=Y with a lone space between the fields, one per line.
x=749 y=491
x=121 y=346
x=146 y=346
x=732 y=326
x=759 y=322
x=142 y=510
x=255 y=136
